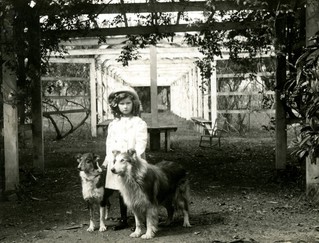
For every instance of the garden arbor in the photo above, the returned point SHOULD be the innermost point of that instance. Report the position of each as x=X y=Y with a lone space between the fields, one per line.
x=124 y=8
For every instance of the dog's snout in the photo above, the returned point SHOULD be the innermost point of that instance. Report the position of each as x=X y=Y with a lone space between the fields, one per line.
x=79 y=167
x=113 y=170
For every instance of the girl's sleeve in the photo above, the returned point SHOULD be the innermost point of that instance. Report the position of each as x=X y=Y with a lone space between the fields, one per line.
x=141 y=137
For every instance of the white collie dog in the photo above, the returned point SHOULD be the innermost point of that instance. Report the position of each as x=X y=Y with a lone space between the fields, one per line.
x=145 y=187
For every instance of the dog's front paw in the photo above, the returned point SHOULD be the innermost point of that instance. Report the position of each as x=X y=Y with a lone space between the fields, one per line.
x=102 y=228
x=187 y=224
x=90 y=229
x=148 y=236
x=135 y=234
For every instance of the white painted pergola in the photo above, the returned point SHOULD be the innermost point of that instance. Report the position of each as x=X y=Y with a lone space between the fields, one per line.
x=10 y=112
x=163 y=65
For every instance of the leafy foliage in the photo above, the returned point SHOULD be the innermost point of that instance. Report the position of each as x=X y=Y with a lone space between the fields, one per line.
x=210 y=42
x=302 y=96
x=23 y=14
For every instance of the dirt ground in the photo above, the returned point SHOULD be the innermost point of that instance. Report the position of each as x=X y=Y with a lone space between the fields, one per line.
x=236 y=195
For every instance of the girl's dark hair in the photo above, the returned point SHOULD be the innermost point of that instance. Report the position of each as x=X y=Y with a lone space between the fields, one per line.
x=121 y=96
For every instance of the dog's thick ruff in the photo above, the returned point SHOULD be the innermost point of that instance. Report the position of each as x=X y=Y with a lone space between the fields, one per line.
x=93 y=181
x=145 y=187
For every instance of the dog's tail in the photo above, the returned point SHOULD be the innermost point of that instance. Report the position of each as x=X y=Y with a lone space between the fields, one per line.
x=181 y=199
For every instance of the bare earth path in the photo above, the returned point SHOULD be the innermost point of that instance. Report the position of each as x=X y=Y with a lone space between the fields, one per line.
x=236 y=196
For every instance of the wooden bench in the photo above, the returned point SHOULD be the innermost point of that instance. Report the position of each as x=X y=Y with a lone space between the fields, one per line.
x=154 y=133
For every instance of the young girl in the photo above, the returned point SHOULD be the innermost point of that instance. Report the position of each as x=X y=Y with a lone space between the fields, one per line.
x=126 y=131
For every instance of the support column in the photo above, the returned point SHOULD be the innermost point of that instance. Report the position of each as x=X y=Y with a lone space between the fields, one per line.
x=281 y=132
x=36 y=92
x=93 y=98
x=155 y=137
x=99 y=90
x=312 y=169
x=213 y=94
x=10 y=111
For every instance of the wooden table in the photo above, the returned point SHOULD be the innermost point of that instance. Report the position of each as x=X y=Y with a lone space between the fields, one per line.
x=200 y=123
x=155 y=136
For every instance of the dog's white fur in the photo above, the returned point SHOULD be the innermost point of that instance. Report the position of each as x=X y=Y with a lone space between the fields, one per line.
x=145 y=187
x=93 y=180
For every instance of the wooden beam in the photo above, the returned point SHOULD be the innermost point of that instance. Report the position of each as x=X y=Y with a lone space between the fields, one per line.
x=58 y=97
x=70 y=60
x=182 y=6
x=46 y=113
x=165 y=54
x=91 y=41
x=143 y=30
x=72 y=79
x=269 y=111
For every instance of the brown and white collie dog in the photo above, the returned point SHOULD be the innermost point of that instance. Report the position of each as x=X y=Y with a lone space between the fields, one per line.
x=145 y=187
x=93 y=182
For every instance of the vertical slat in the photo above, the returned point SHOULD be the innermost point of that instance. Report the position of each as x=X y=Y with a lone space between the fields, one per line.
x=153 y=71
x=213 y=94
x=93 y=98
x=99 y=90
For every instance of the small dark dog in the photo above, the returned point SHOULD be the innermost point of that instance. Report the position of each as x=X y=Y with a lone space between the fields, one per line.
x=93 y=182
x=145 y=187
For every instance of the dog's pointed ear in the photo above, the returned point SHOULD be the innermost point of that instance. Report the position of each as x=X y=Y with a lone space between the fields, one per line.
x=115 y=152
x=78 y=157
x=96 y=157
x=131 y=152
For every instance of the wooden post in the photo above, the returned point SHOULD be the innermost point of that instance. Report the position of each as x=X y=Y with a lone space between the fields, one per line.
x=312 y=180
x=99 y=90
x=36 y=93
x=213 y=94
x=281 y=133
x=155 y=137
x=312 y=169
x=312 y=19
x=153 y=72
x=200 y=93
x=10 y=111
x=93 y=98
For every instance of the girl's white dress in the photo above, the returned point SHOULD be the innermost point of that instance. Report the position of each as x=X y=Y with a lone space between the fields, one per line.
x=123 y=134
